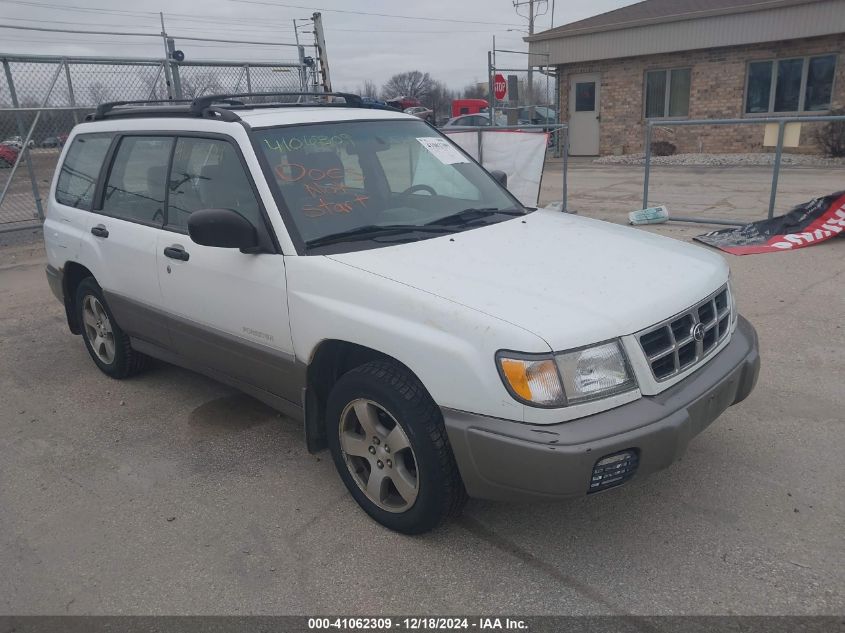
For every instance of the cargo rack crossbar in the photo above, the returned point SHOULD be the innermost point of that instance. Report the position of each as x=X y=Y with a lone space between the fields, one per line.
x=223 y=106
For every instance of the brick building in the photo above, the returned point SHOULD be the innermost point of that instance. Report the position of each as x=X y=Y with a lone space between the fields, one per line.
x=696 y=59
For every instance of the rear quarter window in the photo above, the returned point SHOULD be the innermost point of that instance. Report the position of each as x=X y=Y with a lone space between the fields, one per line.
x=80 y=170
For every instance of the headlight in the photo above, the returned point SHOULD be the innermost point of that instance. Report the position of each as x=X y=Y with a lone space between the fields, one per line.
x=556 y=380
x=595 y=372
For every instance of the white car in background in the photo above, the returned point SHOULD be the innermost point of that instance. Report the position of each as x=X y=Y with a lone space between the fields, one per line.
x=421 y=112
x=17 y=142
x=354 y=269
x=479 y=119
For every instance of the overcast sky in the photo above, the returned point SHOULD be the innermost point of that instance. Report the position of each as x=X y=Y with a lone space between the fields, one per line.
x=453 y=48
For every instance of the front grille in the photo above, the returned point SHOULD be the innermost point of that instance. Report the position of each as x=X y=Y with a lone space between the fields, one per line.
x=685 y=340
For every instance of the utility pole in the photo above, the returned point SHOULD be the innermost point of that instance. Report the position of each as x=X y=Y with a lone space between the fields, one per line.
x=321 y=52
x=167 y=79
x=303 y=74
x=529 y=91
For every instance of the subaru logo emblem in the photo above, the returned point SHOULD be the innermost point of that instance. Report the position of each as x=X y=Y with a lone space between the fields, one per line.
x=697 y=332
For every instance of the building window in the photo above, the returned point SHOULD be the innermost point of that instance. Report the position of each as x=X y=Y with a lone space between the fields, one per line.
x=800 y=84
x=585 y=96
x=667 y=93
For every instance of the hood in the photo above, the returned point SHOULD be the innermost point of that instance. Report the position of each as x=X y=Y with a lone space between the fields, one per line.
x=572 y=281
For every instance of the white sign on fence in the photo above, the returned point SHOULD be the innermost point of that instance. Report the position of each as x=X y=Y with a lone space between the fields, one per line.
x=521 y=155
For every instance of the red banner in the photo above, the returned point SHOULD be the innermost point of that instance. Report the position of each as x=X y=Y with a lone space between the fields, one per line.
x=807 y=224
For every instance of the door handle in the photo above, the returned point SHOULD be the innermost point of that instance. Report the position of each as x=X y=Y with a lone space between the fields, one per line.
x=100 y=231
x=176 y=252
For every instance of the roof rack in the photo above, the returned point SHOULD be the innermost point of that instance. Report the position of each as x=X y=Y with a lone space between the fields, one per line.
x=210 y=105
x=104 y=108
x=350 y=100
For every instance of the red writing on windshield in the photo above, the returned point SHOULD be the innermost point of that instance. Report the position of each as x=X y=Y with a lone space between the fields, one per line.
x=322 y=185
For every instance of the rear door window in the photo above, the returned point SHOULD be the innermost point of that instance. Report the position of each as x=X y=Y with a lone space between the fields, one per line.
x=135 y=189
x=81 y=169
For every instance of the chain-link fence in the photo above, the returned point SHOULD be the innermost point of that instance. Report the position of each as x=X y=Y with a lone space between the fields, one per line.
x=42 y=98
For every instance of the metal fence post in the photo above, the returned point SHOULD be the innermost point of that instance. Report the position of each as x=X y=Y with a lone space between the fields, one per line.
x=491 y=99
x=165 y=65
x=177 y=80
x=647 y=163
x=241 y=74
x=480 y=151
x=565 y=132
x=248 y=79
x=776 y=170
x=154 y=88
x=70 y=95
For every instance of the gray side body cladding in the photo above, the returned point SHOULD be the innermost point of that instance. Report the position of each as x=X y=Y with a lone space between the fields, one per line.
x=274 y=377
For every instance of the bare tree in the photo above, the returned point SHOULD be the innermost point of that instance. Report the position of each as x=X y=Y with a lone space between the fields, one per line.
x=474 y=91
x=413 y=83
x=440 y=99
x=200 y=83
x=830 y=136
x=368 y=89
x=154 y=88
x=99 y=93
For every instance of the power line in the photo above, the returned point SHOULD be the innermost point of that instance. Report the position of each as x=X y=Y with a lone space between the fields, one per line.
x=78 y=8
x=114 y=43
x=487 y=32
x=265 y=28
x=134 y=13
x=371 y=14
x=180 y=37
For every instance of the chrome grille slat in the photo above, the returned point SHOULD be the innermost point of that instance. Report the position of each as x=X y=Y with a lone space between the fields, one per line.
x=661 y=354
x=679 y=351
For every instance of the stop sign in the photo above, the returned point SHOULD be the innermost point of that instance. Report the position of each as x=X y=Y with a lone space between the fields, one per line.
x=500 y=86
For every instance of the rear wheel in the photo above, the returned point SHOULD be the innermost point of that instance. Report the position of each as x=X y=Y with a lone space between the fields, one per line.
x=390 y=448
x=107 y=344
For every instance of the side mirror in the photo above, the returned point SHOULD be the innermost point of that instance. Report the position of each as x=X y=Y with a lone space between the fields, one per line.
x=500 y=177
x=222 y=228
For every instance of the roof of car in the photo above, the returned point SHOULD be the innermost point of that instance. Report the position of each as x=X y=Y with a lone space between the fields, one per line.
x=260 y=117
x=270 y=117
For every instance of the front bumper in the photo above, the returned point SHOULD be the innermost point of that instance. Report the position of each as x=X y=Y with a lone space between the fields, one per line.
x=501 y=459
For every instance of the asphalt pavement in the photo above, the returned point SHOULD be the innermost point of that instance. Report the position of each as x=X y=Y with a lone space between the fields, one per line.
x=172 y=494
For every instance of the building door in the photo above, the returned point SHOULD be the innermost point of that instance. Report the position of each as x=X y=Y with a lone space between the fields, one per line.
x=584 y=114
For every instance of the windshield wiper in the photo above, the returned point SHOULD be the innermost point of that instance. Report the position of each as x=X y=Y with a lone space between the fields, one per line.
x=473 y=213
x=373 y=230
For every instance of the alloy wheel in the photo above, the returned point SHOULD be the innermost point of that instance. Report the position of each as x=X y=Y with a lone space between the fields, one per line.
x=378 y=455
x=98 y=329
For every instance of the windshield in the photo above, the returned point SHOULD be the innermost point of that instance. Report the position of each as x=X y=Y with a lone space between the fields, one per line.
x=354 y=177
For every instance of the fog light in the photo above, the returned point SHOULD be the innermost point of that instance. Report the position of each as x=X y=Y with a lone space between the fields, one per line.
x=613 y=470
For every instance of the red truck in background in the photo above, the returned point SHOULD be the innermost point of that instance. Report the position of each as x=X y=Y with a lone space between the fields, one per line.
x=468 y=106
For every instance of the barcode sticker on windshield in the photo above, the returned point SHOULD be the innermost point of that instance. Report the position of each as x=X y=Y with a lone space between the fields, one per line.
x=444 y=151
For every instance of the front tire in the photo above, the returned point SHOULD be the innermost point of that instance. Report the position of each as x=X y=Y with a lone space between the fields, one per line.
x=107 y=344
x=390 y=448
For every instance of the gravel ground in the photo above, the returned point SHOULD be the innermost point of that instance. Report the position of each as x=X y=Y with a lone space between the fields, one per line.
x=724 y=160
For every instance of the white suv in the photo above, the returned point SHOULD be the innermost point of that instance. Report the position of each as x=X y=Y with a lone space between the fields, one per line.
x=356 y=270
